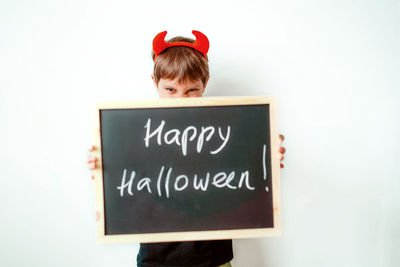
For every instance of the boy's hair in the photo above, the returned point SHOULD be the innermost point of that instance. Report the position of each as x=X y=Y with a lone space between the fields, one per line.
x=180 y=62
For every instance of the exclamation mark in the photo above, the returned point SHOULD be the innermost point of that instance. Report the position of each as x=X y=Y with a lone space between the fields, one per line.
x=264 y=167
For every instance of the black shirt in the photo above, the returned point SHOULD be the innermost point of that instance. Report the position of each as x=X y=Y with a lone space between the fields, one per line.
x=193 y=254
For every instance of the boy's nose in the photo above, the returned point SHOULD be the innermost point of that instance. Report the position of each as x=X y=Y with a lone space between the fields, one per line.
x=180 y=95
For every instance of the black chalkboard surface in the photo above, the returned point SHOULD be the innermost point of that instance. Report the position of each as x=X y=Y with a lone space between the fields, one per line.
x=187 y=169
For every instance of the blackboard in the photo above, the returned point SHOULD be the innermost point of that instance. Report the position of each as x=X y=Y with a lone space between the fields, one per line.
x=187 y=169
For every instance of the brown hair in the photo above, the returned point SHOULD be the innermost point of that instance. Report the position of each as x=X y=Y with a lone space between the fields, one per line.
x=180 y=62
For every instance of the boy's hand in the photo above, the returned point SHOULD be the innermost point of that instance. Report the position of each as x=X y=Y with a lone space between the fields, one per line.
x=282 y=150
x=91 y=160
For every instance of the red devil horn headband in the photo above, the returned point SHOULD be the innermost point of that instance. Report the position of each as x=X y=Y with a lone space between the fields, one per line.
x=201 y=44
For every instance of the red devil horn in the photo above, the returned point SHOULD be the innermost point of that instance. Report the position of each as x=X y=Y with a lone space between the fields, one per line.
x=201 y=44
x=159 y=43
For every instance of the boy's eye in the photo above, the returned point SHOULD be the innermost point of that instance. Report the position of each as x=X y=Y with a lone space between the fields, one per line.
x=193 y=90
x=170 y=89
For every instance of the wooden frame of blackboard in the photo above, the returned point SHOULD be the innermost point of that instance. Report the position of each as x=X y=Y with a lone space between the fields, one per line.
x=102 y=237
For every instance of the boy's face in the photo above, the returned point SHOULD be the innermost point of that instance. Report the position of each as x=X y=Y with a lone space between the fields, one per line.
x=171 y=88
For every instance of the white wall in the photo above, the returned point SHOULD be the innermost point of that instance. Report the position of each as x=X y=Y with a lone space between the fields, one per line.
x=334 y=66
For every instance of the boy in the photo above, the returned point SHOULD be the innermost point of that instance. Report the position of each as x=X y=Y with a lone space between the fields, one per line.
x=181 y=70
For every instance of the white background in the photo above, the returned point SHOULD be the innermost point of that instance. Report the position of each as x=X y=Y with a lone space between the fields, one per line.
x=334 y=66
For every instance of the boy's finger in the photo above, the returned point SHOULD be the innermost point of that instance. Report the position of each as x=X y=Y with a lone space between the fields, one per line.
x=282 y=150
x=282 y=166
x=92 y=148
x=92 y=165
x=91 y=158
x=281 y=138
